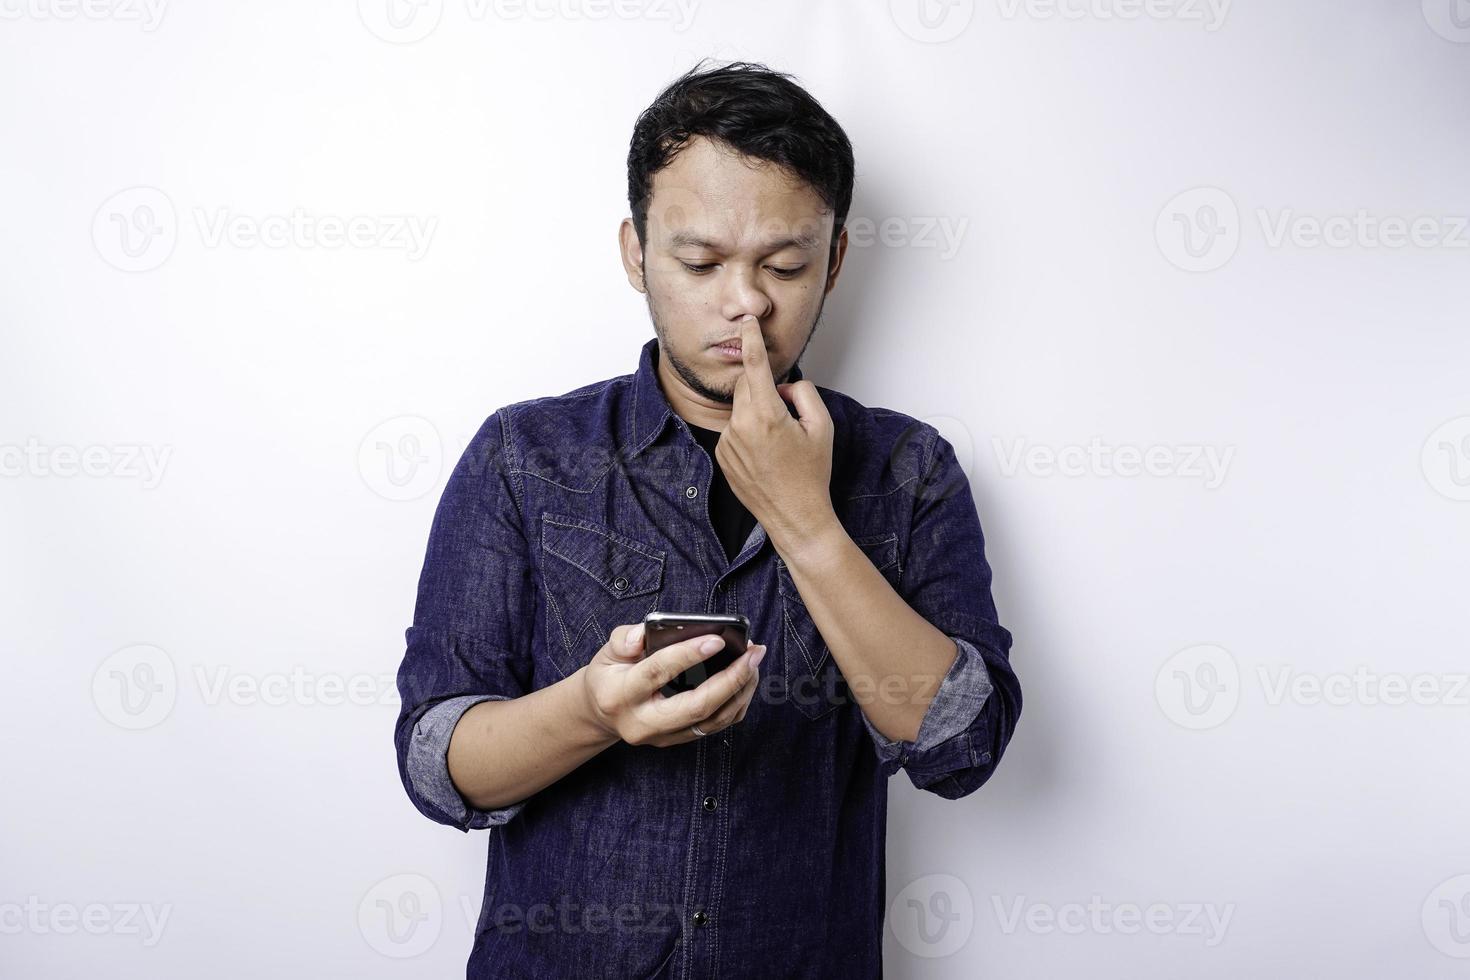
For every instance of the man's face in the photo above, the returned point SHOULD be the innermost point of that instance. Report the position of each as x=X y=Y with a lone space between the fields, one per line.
x=729 y=235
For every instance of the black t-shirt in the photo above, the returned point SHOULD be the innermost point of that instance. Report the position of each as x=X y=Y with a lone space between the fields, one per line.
x=733 y=523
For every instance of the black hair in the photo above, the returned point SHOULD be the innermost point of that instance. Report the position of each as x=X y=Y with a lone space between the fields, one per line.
x=754 y=110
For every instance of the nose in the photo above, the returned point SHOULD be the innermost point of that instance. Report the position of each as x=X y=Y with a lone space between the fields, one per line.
x=742 y=295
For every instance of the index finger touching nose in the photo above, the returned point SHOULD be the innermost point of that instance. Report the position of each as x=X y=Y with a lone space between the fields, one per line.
x=761 y=384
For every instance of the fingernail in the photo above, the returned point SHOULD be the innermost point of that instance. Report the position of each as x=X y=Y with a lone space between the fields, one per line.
x=711 y=645
x=757 y=657
x=634 y=635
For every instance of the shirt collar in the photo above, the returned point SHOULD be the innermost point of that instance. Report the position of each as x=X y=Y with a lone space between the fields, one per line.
x=650 y=409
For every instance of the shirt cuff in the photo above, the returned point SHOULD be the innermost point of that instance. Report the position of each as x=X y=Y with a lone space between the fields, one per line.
x=954 y=707
x=428 y=764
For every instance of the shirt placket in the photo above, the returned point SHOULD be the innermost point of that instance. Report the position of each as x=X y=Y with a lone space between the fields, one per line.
x=710 y=821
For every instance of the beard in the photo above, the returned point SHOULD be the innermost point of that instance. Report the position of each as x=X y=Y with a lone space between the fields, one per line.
x=691 y=376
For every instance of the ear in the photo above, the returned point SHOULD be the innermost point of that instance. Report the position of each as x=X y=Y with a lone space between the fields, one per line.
x=631 y=251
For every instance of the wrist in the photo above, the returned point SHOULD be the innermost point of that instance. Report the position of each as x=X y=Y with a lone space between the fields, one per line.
x=811 y=541
x=589 y=721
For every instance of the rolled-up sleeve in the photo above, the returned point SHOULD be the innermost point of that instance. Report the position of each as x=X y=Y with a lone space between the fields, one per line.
x=946 y=579
x=961 y=696
x=470 y=638
x=428 y=765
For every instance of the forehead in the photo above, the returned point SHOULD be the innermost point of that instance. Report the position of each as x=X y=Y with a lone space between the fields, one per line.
x=711 y=193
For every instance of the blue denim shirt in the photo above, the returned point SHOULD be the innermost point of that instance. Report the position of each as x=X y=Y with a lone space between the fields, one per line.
x=758 y=851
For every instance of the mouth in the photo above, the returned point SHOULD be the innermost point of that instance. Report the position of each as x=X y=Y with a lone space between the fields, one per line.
x=730 y=345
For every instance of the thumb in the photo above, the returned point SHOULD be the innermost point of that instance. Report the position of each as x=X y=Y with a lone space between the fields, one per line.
x=628 y=646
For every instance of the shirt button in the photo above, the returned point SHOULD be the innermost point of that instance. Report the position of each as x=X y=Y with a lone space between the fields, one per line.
x=709 y=802
x=691 y=492
x=701 y=917
x=620 y=584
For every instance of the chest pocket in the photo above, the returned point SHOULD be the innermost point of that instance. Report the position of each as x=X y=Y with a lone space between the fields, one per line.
x=594 y=579
x=814 y=684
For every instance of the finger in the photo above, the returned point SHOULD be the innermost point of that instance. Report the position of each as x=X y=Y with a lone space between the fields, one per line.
x=761 y=386
x=666 y=664
x=808 y=401
x=734 y=709
x=706 y=699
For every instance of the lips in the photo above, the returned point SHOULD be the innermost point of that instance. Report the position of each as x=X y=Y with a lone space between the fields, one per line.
x=731 y=343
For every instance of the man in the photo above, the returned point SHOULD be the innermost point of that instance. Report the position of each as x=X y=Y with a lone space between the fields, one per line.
x=735 y=830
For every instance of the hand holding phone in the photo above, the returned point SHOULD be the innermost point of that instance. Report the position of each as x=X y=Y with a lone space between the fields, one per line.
x=660 y=629
x=627 y=694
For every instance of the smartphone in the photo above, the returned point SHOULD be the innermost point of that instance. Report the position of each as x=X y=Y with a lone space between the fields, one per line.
x=660 y=629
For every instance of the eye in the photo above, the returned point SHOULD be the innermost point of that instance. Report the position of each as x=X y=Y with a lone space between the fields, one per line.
x=698 y=270
x=788 y=273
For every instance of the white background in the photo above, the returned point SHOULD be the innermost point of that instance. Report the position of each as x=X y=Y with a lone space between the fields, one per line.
x=199 y=656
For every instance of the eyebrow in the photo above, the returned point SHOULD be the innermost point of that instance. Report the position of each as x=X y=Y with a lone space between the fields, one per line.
x=804 y=241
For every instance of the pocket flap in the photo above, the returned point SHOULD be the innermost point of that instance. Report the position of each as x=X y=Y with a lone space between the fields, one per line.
x=621 y=565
